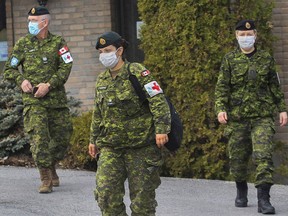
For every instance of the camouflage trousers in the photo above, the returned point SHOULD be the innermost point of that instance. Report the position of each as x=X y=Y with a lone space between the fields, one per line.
x=49 y=131
x=140 y=167
x=251 y=137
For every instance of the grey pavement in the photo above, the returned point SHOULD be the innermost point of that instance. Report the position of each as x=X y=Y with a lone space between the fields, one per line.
x=175 y=196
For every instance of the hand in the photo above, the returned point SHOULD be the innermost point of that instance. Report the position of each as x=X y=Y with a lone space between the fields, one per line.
x=43 y=89
x=161 y=140
x=283 y=118
x=222 y=117
x=26 y=86
x=93 y=150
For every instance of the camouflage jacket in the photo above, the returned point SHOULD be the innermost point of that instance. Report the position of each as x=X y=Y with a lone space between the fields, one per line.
x=248 y=87
x=43 y=61
x=119 y=118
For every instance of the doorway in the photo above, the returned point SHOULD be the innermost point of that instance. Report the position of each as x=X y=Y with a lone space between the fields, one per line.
x=125 y=21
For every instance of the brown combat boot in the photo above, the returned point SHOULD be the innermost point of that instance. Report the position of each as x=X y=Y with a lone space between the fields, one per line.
x=55 y=177
x=46 y=178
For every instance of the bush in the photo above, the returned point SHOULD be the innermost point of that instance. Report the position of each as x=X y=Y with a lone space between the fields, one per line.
x=12 y=138
x=184 y=42
x=78 y=156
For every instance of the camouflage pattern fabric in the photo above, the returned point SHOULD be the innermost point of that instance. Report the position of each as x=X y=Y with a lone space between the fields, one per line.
x=49 y=131
x=119 y=119
x=46 y=119
x=125 y=129
x=248 y=87
x=141 y=166
x=41 y=63
x=247 y=137
x=248 y=90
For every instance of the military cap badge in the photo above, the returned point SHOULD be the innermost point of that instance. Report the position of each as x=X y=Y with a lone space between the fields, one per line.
x=247 y=25
x=102 y=41
x=33 y=10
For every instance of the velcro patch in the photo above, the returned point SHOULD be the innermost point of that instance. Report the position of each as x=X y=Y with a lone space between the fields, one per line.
x=67 y=58
x=14 y=61
x=63 y=50
x=145 y=73
x=153 y=88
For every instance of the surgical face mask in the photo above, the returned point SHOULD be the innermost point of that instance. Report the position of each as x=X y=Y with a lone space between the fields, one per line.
x=34 y=27
x=246 y=42
x=109 y=60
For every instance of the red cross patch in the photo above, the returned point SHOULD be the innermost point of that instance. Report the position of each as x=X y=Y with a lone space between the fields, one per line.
x=153 y=88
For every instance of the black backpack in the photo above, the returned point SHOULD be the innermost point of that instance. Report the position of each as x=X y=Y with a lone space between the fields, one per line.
x=176 y=134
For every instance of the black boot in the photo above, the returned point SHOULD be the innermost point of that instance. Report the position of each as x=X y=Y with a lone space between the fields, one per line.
x=264 y=205
x=241 y=198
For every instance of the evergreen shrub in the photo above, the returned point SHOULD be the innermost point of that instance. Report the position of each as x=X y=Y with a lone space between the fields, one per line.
x=12 y=138
x=184 y=42
x=78 y=156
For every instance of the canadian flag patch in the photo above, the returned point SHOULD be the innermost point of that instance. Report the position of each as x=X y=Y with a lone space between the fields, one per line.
x=63 y=50
x=67 y=58
x=145 y=73
x=153 y=88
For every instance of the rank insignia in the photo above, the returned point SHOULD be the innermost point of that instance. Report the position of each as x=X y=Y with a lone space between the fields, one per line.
x=247 y=25
x=102 y=41
x=145 y=73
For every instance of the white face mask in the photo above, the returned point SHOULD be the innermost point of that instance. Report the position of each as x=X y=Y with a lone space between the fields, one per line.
x=109 y=60
x=246 y=42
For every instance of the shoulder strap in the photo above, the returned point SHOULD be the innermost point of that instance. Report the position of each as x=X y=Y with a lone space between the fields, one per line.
x=136 y=85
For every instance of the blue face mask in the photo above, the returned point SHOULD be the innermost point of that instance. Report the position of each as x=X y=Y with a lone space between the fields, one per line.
x=34 y=28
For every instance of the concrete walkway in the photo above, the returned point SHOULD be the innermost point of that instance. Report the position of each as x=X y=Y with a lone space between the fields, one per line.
x=176 y=197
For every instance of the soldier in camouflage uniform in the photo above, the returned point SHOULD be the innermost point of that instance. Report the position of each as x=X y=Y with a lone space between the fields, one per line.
x=247 y=95
x=45 y=63
x=127 y=134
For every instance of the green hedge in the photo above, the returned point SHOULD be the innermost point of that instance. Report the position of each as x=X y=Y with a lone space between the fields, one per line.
x=184 y=42
x=78 y=156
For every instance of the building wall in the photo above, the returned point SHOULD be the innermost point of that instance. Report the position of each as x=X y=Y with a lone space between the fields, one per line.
x=80 y=22
x=280 y=29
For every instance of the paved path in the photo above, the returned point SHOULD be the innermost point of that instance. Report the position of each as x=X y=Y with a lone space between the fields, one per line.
x=176 y=197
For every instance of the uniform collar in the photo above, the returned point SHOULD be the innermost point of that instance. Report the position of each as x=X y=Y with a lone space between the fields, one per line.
x=122 y=74
x=34 y=38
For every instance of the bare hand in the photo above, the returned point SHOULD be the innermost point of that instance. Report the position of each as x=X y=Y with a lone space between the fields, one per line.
x=43 y=89
x=283 y=118
x=222 y=117
x=93 y=150
x=26 y=86
x=161 y=140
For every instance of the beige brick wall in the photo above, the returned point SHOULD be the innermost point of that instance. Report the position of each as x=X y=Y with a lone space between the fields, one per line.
x=280 y=29
x=80 y=22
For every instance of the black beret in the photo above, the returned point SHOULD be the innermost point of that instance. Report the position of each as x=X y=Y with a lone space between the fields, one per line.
x=245 y=25
x=38 y=11
x=107 y=38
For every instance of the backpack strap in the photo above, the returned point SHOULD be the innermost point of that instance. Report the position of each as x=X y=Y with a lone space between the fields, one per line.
x=136 y=85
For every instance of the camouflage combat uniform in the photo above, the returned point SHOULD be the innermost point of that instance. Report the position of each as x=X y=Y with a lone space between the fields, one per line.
x=125 y=131
x=248 y=90
x=46 y=119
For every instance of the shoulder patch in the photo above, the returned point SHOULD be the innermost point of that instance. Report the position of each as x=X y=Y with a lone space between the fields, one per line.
x=63 y=50
x=14 y=61
x=67 y=58
x=145 y=73
x=153 y=88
